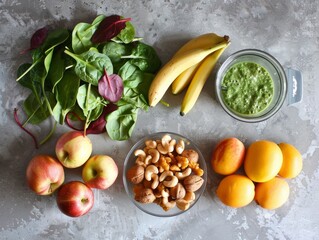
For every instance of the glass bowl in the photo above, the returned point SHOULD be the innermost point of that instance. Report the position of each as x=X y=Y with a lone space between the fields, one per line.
x=153 y=208
x=276 y=72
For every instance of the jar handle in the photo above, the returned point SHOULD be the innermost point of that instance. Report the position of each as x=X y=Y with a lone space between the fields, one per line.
x=294 y=79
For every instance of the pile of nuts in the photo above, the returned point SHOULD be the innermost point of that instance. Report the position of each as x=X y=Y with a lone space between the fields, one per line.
x=166 y=173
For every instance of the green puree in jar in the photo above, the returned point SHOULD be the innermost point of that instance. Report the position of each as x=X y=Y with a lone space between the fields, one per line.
x=247 y=88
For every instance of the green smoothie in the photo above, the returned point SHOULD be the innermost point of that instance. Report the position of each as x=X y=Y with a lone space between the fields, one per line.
x=247 y=88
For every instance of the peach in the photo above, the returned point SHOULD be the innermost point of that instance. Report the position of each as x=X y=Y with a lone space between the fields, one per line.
x=228 y=156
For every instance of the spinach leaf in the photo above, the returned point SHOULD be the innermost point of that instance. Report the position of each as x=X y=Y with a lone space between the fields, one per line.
x=144 y=57
x=144 y=86
x=27 y=81
x=82 y=34
x=37 y=111
x=66 y=92
x=121 y=122
x=127 y=70
x=37 y=54
x=133 y=77
x=90 y=65
x=58 y=114
x=115 y=50
x=133 y=97
x=54 y=39
x=57 y=68
x=88 y=98
x=127 y=34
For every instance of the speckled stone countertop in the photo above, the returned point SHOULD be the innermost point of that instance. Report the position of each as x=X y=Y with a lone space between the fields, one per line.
x=286 y=29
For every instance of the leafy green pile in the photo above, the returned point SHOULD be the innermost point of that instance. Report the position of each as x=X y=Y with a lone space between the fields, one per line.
x=66 y=69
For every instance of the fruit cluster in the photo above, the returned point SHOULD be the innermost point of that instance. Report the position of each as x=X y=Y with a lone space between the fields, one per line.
x=189 y=68
x=266 y=166
x=45 y=174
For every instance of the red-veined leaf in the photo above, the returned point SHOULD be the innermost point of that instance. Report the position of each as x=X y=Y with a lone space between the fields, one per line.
x=110 y=27
x=110 y=87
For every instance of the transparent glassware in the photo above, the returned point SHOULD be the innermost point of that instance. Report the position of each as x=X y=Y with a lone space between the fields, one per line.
x=276 y=72
x=153 y=208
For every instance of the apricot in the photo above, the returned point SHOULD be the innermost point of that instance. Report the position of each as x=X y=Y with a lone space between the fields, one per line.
x=272 y=194
x=263 y=161
x=292 y=161
x=228 y=156
x=236 y=191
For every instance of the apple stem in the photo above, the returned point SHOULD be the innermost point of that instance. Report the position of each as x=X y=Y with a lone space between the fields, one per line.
x=84 y=200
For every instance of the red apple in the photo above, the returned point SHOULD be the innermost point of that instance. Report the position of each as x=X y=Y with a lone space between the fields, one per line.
x=100 y=172
x=44 y=174
x=75 y=199
x=73 y=149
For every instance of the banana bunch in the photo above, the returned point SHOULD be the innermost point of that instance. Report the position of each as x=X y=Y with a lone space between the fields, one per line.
x=191 y=65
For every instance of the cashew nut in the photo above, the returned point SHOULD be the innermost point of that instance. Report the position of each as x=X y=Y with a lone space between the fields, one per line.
x=140 y=162
x=168 y=143
x=148 y=160
x=169 y=205
x=151 y=169
x=140 y=153
x=155 y=155
x=155 y=181
x=171 y=145
x=151 y=172
x=165 y=174
x=150 y=144
x=189 y=196
x=166 y=139
x=171 y=183
x=180 y=146
x=166 y=205
x=162 y=149
x=182 y=204
x=184 y=174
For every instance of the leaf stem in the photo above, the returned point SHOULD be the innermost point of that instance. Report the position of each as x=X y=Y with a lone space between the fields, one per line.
x=28 y=119
x=29 y=69
x=50 y=134
x=16 y=118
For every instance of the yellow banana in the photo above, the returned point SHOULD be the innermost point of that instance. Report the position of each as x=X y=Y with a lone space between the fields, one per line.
x=206 y=40
x=171 y=70
x=200 y=77
x=202 y=41
x=184 y=79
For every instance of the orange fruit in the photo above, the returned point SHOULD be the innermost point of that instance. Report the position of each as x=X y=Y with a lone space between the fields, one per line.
x=236 y=191
x=263 y=161
x=272 y=194
x=292 y=161
x=228 y=156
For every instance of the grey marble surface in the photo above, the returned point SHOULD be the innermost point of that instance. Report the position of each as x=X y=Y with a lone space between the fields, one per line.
x=286 y=29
